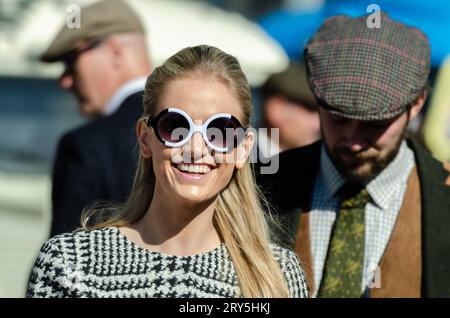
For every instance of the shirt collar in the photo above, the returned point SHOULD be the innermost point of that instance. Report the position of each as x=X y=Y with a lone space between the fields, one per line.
x=332 y=178
x=128 y=88
x=381 y=188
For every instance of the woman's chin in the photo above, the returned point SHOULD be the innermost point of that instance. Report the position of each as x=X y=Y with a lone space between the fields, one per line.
x=192 y=195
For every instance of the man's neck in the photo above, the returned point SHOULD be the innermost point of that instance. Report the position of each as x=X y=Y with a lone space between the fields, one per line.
x=128 y=88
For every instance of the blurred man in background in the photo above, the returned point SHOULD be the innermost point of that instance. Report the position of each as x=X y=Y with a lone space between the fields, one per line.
x=106 y=65
x=290 y=106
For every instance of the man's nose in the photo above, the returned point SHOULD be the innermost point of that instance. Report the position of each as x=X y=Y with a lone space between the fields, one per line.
x=355 y=137
x=66 y=80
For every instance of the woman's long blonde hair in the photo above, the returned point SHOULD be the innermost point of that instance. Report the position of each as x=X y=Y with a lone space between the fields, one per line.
x=238 y=217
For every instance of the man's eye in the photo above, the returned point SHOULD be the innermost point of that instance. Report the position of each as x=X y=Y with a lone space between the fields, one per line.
x=378 y=125
x=340 y=120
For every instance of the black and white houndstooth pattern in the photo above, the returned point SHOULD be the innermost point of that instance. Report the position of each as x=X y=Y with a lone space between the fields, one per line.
x=104 y=263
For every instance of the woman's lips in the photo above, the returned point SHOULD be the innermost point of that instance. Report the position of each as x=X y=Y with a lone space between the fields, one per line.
x=192 y=172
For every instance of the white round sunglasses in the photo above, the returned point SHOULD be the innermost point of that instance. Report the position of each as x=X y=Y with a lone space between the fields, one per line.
x=174 y=128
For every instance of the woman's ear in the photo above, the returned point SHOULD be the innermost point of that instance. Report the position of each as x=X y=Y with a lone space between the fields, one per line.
x=143 y=135
x=244 y=149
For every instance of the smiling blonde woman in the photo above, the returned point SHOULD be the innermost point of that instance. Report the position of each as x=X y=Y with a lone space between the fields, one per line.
x=192 y=226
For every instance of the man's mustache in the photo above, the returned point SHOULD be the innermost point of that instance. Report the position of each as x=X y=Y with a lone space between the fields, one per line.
x=362 y=155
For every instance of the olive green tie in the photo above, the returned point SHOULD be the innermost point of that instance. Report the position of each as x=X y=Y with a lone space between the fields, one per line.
x=343 y=268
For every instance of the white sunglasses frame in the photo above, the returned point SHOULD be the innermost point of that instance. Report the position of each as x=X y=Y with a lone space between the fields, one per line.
x=193 y=128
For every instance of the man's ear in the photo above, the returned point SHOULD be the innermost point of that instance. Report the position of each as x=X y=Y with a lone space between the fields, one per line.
x=143 y=136
x=417 y=107
x=275 y=110
x=244 y=150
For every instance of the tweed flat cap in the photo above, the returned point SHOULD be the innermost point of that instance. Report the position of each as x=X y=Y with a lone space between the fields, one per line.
x=367 y=73
x=97 y=21
x=292 y=84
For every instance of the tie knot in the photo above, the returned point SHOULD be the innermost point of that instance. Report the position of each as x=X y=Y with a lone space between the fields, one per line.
x=353 y=196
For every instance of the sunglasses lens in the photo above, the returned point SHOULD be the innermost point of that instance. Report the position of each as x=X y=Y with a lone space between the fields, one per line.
x=224 y=132
x=173 y=127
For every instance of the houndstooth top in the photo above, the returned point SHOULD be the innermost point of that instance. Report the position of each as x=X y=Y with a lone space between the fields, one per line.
x=104 y=263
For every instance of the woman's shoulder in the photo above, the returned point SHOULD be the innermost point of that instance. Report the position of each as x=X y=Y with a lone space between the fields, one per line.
x=287 y=258
x=68 y=242
x=292 y=270
x=284 y=255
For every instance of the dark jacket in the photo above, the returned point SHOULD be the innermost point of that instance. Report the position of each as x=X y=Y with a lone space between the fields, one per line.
x=95 y=162
x=290 y=191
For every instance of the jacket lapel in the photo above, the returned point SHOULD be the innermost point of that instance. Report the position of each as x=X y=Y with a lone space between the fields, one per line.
x=303 y=249
x=435 y=224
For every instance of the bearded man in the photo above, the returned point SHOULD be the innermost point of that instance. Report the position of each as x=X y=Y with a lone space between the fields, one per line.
x=369 y=211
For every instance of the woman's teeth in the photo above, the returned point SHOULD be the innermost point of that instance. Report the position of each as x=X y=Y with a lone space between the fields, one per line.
x=203 y=169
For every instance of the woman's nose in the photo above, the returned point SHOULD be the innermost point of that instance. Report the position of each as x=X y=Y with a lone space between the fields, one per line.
x=195 y=148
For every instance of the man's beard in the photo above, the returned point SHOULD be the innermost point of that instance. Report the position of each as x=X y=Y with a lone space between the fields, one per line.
x=365 y=165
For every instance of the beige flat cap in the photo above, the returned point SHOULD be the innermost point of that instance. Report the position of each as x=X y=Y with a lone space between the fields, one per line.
x=97 y=21
x=293 y=84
